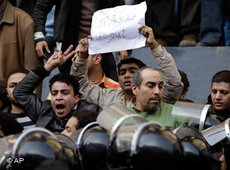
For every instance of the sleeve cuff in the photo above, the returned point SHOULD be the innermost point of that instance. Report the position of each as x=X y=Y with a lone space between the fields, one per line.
x=39 y=36
x=80 y=60
x=41 y=71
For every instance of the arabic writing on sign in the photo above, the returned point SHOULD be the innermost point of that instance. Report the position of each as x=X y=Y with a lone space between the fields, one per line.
x=116 y=29
x=111 y=20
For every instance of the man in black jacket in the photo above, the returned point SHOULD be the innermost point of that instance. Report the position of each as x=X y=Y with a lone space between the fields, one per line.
x=174 y=26
x=65 y=97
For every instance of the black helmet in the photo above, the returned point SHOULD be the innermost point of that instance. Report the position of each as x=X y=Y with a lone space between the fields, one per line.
x=113 y=118
x=92 y=145
x=69 y=147
x=143 y=146
x=155 y=147
x=196 y=152
x=36 y=145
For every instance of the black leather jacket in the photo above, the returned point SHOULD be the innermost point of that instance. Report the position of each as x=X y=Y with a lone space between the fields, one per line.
x=42 y=112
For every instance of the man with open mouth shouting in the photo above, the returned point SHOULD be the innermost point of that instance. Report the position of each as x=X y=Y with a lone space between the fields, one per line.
x=65 y=97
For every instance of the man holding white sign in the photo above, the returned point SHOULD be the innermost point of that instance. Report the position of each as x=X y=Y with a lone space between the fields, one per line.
x=105 y=97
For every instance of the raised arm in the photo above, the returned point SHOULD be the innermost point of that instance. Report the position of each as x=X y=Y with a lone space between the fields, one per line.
x=23 y=93
x=172 y=80
x=91 y=92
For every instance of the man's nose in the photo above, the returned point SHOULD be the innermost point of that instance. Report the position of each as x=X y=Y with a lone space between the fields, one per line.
x=64 y=132
x=128 y=74
x=59 y=96
x=218 y=96
x=156 y=90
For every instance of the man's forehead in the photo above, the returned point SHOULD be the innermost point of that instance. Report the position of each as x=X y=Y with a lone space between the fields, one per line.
x=150 y=73
x=221 y=85
x=61 y=85
x=129 y=65
x=17 y=77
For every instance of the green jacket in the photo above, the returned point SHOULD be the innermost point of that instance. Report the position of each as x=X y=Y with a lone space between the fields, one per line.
x=162 y=115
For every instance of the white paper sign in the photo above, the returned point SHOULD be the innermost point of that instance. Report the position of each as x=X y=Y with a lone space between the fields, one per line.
x=116 y=29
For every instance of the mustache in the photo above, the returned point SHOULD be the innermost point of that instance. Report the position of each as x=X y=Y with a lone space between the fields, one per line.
x=155 y=98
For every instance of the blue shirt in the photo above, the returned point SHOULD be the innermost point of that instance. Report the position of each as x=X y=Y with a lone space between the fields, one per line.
x=2 y=11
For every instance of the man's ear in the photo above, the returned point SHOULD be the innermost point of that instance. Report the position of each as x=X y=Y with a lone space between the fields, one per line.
x=134 y=89
x=77 y=98
x=97 y=58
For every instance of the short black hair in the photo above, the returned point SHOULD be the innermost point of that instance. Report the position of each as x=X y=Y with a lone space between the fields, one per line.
x=128 y=61
x=84 y=117
x=9 y=125
x=221 y=76
x=17 y=70
x=65 y=78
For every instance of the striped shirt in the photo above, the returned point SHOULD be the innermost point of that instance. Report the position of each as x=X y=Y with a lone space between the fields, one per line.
x=24 y=120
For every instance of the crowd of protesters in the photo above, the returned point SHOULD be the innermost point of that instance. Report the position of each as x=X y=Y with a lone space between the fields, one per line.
x=88 y=84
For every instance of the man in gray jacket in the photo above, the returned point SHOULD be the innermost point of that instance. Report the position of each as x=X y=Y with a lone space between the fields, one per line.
x=105 y=97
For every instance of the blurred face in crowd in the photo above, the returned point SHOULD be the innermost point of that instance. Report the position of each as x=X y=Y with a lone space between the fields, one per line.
x=221 y=95
x=71 y=126
x=126 y=74
x=62 y=98
x=90 y=63
x=93 y=60
x=12 y=82
x=150 y=92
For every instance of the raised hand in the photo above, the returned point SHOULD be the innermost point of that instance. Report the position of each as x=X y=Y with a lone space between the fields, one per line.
x=39 y=49
x=122 y=55
x=58 y=59
x=148 y=33
x=82 y=48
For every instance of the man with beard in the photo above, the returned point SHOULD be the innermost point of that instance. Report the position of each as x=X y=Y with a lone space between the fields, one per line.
x=65 y=97
x=147 y=86
x=220 y=95
x=106 y=97
x=13 y=79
